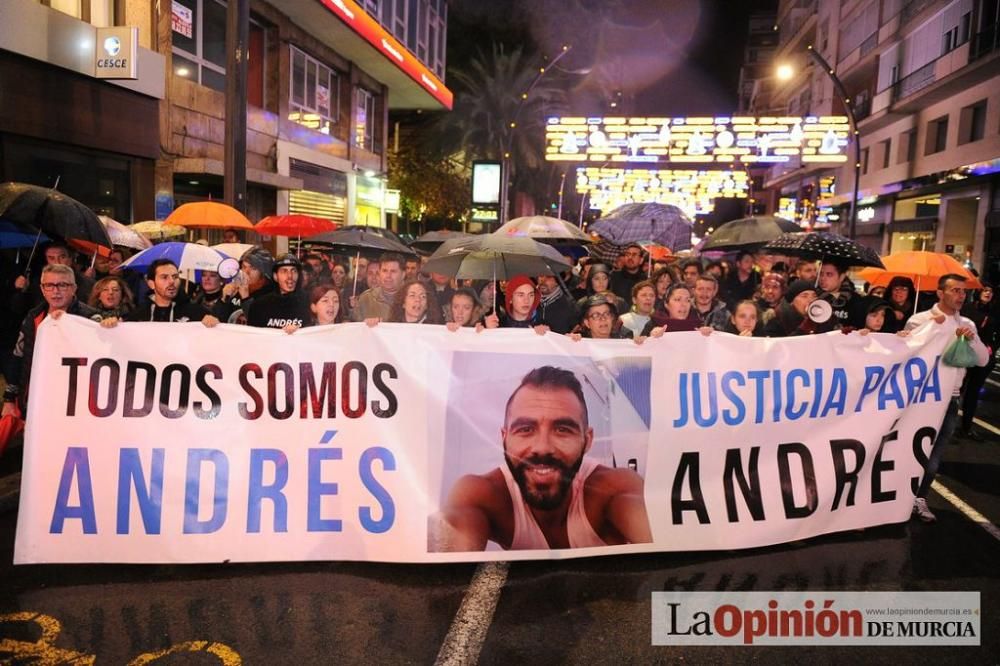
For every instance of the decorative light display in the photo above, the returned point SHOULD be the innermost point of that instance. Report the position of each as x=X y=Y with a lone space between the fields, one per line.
x=693 y=191
x=769 y=139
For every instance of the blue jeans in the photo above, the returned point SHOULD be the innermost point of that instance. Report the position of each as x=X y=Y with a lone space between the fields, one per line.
x=937 y=450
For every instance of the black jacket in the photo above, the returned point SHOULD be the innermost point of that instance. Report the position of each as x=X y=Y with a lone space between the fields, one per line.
x=278 y=310
x=177 y=311
x=561 y=315
x=19 y=371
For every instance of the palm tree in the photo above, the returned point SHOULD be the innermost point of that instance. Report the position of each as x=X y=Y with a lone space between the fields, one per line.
x=501 y=103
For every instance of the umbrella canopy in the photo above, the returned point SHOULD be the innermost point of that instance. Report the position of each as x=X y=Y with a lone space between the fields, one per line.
x=749 y=233
x=923 y=268
x=156 y=230
x=490 y=257
x=52 y=212
x=362 y=240
x=209 y=215
x=187 y=256
x=430 y=241
x=823 y=246
x=13 y=236
x=301 y=226
x=663 y=224
x=545 y=229
x=123 y=235
x=234 y=250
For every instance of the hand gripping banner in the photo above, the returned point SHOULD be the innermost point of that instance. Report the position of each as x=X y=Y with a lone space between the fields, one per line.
x=407 y=443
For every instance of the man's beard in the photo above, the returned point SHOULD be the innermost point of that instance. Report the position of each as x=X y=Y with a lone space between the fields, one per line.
x=550 y=497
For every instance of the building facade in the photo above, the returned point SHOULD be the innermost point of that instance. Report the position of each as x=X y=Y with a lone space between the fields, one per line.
x=322 y=77
x=923 y=77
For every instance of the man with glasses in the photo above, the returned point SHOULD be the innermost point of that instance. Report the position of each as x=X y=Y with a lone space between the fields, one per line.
x=630 y=273
x=58 y=285
x=598 y=320
x=945 y=314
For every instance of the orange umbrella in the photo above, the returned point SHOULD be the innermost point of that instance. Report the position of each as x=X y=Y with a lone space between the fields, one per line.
x=923 y=268
x=209 y=215
x=302 y=226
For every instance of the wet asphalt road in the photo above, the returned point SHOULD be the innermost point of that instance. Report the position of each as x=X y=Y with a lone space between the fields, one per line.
x=578 y=611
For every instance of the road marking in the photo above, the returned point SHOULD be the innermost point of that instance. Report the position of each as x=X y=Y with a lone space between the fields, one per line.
x=467 y=634
x=983 y=424
x=969 y=512
x=993 y=381
x=225 y=654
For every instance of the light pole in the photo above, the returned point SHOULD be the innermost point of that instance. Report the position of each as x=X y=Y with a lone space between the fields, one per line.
x=507 y=139
x=785 y=72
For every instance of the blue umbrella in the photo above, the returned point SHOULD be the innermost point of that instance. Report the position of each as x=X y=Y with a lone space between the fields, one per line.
x=187 y=256
x=662 y=224
x=14 y=237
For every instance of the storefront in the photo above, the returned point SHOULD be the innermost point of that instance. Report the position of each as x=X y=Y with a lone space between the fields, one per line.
x=370 y=198
x=915 y=224
x=323 y=193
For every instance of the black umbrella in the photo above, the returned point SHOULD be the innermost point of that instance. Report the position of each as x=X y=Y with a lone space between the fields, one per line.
x=429 y=242
x=749 y=233
x=359 y=240
x=47 y=210
x=823 y=246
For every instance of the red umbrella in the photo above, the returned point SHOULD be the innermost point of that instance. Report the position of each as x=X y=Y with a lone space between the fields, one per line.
x=301 y=226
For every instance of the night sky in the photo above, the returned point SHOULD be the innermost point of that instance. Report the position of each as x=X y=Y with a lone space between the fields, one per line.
x=666 y=57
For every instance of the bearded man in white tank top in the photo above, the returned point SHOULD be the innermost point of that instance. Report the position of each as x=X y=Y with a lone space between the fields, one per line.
x=548 y=494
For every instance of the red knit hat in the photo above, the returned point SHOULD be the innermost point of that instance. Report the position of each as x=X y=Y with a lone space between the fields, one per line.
x=513 y=284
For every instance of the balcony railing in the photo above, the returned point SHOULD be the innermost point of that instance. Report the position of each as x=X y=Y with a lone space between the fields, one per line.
x=984 y=42
x=911 y=83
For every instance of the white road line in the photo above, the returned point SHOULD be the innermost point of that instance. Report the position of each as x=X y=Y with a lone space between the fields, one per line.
x=983 y=424
x=467 y=634
x=969 y=512
x=993 y=381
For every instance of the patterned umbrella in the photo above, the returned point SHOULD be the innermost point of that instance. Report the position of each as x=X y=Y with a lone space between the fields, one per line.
x=156 y=230
x=187 y=256
x=749 y=233
x=545 y=229
x=124 y=235
x=823 y=246
x=663 y=224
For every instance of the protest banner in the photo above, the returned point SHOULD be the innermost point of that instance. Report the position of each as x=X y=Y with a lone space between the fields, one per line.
x=176 y=443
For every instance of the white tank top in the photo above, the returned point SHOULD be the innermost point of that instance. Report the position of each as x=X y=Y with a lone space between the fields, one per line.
x=529 y=536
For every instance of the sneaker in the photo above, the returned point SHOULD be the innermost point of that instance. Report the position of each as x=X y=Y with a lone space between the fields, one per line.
x=922 y=510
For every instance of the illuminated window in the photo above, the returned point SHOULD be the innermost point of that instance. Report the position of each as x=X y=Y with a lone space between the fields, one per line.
x=100 y=13
x=366 y=122
x=314 y=100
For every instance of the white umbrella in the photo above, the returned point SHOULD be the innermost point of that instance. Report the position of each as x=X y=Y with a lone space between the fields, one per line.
x=187 y=257
x=124 y=235
x=234 y=250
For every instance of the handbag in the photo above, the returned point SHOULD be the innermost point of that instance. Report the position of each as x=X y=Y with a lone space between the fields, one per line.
x=959 y=354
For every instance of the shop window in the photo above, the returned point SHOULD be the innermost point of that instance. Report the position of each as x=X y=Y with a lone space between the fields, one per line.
x=972 y=122
x=315 y=93
x=100 y=13
x=198 y=32
x=937 y=136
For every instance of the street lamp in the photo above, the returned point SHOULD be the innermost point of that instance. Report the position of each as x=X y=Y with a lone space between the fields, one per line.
x=784 y=73
x=507 y=140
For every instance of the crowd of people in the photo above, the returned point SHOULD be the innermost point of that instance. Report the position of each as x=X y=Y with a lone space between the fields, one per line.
x=637 y=298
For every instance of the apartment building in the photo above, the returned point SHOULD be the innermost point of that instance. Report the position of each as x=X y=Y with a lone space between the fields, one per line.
x=923 y=77
x=322 y=77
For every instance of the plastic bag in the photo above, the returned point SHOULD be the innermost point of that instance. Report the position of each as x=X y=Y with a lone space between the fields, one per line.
x=959 y=354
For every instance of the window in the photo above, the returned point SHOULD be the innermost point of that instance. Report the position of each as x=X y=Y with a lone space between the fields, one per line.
x=100 y=13
x=364 y=118
x=885 y=148
x=314 y=99
x=198 y=31
x=907 y=147
x=864 y=161
x=972 y=123
x=937 y=136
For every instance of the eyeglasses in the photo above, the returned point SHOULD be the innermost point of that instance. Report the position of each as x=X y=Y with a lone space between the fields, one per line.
x=52 y=286
x=599 y=316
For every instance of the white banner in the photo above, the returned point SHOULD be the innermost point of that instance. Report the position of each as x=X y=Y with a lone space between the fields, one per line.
x=176 y=443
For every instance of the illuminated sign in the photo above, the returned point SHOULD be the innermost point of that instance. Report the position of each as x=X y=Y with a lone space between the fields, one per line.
x=115 y=52
x=693 y=191
x=391 y=203
x=866 y=214
x=485 y=215
x=486 y=183
x=360 y=22
x=788 y=208
x=771 y=139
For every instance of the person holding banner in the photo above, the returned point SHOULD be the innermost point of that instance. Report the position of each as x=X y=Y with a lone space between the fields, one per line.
x=946 y=314
x=286 y=308
x=415 y=303
x=547 y=494
x=324 y=303
x=376 y=301
x=163 y=279
x=58 y=287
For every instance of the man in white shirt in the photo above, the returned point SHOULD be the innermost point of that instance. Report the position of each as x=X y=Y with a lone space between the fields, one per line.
x=945 y=313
